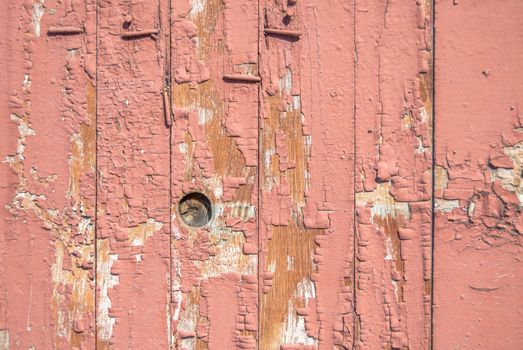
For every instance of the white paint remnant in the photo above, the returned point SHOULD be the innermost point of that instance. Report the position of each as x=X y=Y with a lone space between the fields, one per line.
x=27 y=82
x=285 y=82
x=188 y=324
x=267 y=155
x=106 y=322
x=395 y=284
x=245 y=211
x=218 y=191
x=510 y=178
x=383 y=204
x=421 y=149
x=176 y=233
x=176 y=285
x=306 y=289
x=308 y=152
x=271 y=266
x=471 y=208
x=290 y=263
x=293 y=331
x=445 y=205
x=204 y=115
x=59 y=277
x=296 y=102
x=38 y=12
x=24 y=131
x=137 y=241
x=197 y=7
x=4 y=339
x=388 y=246
x=72 y=53
x=424 y=115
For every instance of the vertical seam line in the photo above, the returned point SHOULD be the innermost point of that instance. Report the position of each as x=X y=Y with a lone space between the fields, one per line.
x=354 y=215
x=96 y=183
x=433 y=216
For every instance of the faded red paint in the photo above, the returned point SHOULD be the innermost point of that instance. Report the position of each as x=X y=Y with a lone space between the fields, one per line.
x=133 y=244
x=393 y=118
x=48 y=189
x=478 y=292
x=309 y=125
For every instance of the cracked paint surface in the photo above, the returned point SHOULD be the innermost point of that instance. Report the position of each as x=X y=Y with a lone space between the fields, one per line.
x=133 y=242
x=48 y=172
x=214 y=143
x=477 y=246
x=310 y=127
x=394 y=174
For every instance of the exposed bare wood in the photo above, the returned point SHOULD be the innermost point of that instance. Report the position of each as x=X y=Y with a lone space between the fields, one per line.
x=133 y=244
x=48 y=176
x=214 y=153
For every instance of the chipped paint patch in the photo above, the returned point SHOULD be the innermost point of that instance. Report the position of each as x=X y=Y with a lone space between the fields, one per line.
x=38 y=12
x=106 y=281
x=197 y=6
x=4 y=339
x=139 y=234
x=445 y=205
x=511 y=179
x=294 y=330
x=441 y=177
x=187 y=325
x=204 y=115
x=382 y=202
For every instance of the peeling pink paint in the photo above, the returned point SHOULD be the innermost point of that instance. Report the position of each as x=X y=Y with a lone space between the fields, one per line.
x=309 y=126
x=478 y=268
x=393 y=160
x=133 y=243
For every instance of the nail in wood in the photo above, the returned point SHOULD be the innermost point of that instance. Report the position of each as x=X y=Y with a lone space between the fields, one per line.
x=140 y=33
x=283 y=32
x=64 y=30
x=241 y=77
x=167 y=108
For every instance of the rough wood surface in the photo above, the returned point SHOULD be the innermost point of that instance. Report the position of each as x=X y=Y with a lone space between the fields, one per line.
x=479 y=191
x=133 y=244
x=273 y=174
x=306 y=258
x=393 y=173
x=215 y=152
x=47 y=176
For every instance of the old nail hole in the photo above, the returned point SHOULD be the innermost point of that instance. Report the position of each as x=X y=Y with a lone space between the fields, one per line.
x=195 y=209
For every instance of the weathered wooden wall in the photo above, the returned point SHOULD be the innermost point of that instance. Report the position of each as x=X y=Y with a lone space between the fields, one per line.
x=478 y=195
x=363 y=159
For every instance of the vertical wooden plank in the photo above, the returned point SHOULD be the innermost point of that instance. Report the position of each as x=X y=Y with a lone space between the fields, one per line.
x=393 y=173
x=307 y=198
x=47 y=175
x=479 y=159
x=215 y=153
x=133 y=245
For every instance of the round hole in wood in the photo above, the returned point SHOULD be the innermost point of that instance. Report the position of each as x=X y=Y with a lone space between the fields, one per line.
x=195 y=209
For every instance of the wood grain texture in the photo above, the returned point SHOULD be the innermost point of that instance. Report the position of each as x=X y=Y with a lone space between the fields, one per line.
x=133 y=244
x=393 y=173
x=47 y=176
x=342 y=147
x=306 y=232
x=215 y=152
